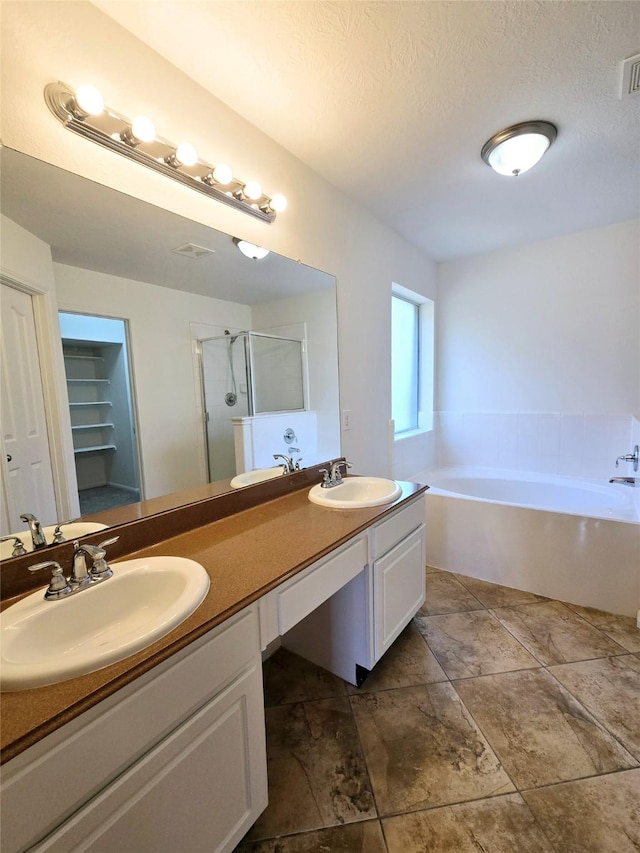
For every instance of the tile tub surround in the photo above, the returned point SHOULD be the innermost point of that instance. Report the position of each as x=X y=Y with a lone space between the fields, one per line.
x=540 y=759
x=578 y=444
x=238 y=552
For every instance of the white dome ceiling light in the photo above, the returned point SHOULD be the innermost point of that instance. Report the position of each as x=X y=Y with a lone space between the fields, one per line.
x=250 y=250
x=516 y=149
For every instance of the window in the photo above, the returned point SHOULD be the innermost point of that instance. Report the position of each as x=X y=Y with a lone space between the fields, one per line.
x=411 y=361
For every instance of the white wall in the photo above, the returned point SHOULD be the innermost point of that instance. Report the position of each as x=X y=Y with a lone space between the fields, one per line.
x=163 y=365
x=76 y=43
x=25 y=258
x=547 y=336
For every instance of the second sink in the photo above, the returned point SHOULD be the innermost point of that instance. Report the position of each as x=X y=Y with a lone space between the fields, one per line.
x=356 y=492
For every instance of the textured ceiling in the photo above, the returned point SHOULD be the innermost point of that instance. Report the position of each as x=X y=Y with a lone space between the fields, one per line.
x=392 y=102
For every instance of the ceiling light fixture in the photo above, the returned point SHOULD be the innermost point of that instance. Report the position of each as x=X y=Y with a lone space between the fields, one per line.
x=517 y=148
x=250 y=250
x=83 y=111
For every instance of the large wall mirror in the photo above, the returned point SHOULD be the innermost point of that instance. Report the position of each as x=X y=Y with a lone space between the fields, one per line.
x=183 y=295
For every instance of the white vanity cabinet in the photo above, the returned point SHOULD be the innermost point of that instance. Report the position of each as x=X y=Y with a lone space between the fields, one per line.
x=174 y=761
x=380 y=588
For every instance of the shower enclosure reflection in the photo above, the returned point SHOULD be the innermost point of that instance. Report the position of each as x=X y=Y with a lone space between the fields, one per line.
x=245 y=376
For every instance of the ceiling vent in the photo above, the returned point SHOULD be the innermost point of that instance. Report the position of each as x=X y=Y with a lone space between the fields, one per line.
x=190 y=250
x=630 y=77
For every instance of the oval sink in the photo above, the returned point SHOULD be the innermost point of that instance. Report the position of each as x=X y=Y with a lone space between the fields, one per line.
x=258 y=475
x=44 y=642
x=69 y=531
x=356 y=492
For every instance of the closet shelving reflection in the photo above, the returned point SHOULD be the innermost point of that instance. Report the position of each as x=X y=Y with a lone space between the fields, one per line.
x=89 y=401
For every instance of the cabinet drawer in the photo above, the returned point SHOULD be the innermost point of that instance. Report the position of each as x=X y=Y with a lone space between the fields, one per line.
x=318 y=583
x=98 y=745
x=389 y=532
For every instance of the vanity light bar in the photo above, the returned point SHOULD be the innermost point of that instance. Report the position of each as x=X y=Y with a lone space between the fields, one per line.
x=84 y=112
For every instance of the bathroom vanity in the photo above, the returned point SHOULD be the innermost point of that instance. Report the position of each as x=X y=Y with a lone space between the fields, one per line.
x=165 y=751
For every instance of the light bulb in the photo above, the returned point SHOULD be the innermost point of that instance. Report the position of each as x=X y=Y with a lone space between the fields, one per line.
x=89 y=100
x=143 y=129
x=278 y=203
x=252 y=190
x=518 y=154
x=186 y=154
x=222 y=174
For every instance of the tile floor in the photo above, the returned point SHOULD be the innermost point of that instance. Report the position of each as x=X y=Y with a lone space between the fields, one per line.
x=499 y=721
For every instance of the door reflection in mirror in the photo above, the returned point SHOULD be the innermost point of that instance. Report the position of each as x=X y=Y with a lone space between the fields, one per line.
x=27 y=475
x=101 y=407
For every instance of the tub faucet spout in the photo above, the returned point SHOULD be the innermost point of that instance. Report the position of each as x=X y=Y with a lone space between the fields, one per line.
x=626 y=481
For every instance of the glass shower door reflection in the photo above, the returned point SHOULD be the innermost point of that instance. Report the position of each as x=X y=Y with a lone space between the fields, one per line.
x=225 y=392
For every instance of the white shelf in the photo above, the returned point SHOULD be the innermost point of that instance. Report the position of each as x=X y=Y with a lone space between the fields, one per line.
x=88 y=382
x=84 y=357
x=98 y=448
x=92 y=403
x=92 y=426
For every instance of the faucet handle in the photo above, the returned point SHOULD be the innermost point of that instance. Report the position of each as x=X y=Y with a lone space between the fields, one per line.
x=58 y=536
x=18 y=545
x=100 y=570
x=58 y=585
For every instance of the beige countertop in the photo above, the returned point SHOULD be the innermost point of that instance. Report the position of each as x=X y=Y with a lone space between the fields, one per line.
x=246 y=555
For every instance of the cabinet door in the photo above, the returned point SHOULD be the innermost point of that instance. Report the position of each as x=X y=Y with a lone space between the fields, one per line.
x=199 y=790
x=399 y=588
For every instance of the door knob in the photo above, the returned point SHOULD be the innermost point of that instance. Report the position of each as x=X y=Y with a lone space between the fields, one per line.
x=9 y=457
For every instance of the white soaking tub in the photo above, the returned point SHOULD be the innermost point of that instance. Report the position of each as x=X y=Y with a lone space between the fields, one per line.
x=563 y=537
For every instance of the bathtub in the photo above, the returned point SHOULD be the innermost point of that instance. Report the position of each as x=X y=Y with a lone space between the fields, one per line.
x=567 y=538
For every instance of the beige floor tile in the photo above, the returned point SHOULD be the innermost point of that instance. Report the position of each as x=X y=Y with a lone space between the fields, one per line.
x=445 y=594
x=289 y=678
x=316 y=769
x=555 y=634
x=541 y=734
x=600 y=815
x=495 y=595
x=423 y=749
x=363 y=837
x=473 y=643
x=409 y=661
x=497 y=825
x=432 y=570
x=610 y=689
x=622 y=629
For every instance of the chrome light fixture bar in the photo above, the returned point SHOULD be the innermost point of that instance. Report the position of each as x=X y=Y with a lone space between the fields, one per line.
x=518 y=148
x=83 y=112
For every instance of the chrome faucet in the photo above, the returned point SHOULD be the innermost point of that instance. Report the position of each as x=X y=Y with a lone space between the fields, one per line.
x=630 y=457
x=333 y=477
x=288 y=466
x=80 y=577
x=35 y=529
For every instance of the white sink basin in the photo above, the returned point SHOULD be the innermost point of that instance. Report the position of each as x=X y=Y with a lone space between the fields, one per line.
x=258 y=475
x=356 y=492
x=69 y=531
x=44 y=642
